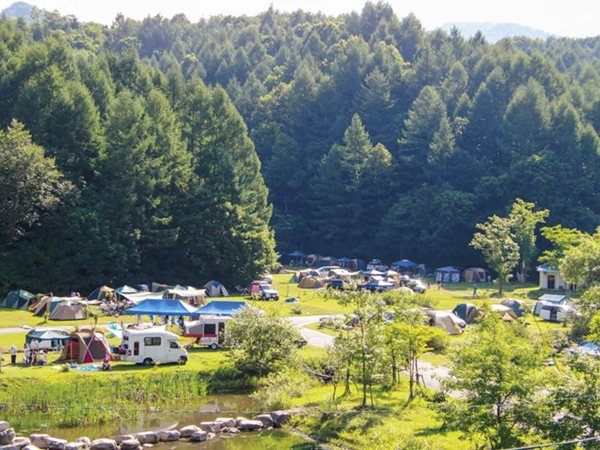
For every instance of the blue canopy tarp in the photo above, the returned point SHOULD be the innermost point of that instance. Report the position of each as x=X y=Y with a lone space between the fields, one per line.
x=404 y=263
x=297 y=254
x=221 y=308
x=345 y=260
x=162 y=307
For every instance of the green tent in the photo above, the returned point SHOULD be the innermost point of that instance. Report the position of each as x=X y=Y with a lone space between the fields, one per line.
x=18 y=300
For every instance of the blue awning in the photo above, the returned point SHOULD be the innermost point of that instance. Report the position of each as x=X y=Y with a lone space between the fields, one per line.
x=297 y=254
x=404 y=263
x=162 y=307
x=221 y=308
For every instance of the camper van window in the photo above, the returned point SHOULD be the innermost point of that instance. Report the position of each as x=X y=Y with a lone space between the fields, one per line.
x=136 y=349
x=174 y=344
x=210 y=328
x=151 y=341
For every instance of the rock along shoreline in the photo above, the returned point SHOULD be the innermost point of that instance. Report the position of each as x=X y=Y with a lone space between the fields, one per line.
x=192 y=433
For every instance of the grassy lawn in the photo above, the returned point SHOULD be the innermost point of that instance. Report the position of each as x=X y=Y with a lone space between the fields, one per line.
x=329 y=331
x=367 y=430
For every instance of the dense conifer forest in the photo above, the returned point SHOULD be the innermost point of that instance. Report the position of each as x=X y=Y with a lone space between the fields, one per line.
x=173 y=150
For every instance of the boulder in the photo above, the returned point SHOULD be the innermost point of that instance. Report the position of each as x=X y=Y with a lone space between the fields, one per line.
x=186 y=432
x=130 y=444
x=30 y=447
x=4 y=426
x=86 y=441
x=103 y=444
x=199 y=436
x=266 y=420
x=39 y=440
x=169 y=436
x=7 y=436
x=210 y=427
x=248 y=425
x=75 y=446
x=211 y=436
x=21 y=442
x=8 y=447
x=123 y=437
x=56 y=444
x=230 y=430
x=280 y=418
x=225 y=422
x=147 y=437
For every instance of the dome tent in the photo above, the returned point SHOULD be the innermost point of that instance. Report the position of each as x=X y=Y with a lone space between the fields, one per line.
x=467 y=312
x=87 y=346
x=475 y=275
x=68 y=311
x=215 y=289
x=19 y=299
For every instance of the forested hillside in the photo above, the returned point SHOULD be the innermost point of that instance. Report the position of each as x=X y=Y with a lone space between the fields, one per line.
x=374 y=137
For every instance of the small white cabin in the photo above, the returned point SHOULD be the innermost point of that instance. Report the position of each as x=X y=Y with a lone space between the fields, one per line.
x=552 y=280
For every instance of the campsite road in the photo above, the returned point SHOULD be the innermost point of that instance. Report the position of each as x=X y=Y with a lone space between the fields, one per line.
x=431 y=374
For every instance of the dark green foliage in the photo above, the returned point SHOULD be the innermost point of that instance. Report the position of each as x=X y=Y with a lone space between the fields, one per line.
x=169 y=179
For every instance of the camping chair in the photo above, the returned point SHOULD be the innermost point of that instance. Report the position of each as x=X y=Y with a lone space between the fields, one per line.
x=242 y=290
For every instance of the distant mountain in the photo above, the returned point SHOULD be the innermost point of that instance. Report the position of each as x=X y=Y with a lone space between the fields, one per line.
x=18 y=9
x=493 y=32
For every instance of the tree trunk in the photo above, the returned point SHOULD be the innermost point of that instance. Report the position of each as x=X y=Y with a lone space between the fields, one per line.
x=347 y=390
x=394 y=369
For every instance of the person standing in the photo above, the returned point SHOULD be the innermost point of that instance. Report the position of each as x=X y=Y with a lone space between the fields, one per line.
x=475 y=290
x=13 y=354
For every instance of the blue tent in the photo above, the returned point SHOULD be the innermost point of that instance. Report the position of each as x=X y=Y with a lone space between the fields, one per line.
x=221 y=308
x=162 y=307
x=297 y=254
x=404 y=263
x=345 y=260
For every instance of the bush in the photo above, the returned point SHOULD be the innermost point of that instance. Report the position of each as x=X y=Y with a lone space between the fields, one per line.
x=279 y=389
x=439 y=343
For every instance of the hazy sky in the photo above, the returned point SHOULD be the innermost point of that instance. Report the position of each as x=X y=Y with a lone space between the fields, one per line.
x=578 y=18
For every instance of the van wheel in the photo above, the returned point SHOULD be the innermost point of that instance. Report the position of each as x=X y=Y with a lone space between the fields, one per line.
x=147 y=362
x=214 y=346
x=182 y=360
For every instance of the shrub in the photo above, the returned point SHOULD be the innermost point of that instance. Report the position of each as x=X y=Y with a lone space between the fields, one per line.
x=279 y=389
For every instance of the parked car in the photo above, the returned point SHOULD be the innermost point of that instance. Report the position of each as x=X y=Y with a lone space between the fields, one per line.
x=263 y=290
x=376 y=264
x=417 y=286
x=337 y=284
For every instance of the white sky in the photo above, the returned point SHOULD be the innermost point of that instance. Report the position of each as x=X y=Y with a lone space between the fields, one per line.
x=577 y=18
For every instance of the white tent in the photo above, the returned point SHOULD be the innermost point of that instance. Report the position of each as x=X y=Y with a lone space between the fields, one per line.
x=446 y=320
x=215 y=289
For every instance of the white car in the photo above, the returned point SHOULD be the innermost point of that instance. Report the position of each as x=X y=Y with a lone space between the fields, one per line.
x=376 y=264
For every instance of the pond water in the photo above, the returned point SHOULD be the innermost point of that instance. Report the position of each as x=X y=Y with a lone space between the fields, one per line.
x=205 y=409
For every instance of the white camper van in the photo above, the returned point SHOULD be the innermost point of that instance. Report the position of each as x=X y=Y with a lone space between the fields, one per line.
x=151 y=345
x=208 y=330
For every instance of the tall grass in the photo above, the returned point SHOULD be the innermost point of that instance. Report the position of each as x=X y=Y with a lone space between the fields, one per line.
x=77 y=400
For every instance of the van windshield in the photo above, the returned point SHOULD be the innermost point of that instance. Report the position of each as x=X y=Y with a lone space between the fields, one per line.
x=174 y=344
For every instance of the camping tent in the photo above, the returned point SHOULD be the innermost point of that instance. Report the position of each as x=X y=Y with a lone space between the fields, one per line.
x=57 y=338
x=48 y=304
x=446 y=320
x=101 y=293
x=467 y=312
x=190 y=294
x=518 y=306
x=408 y=292
x=215 y=289
x=311 y=283
x=475 y=275
x=447 y=274
x=506 y=312
x=221 y=308
x=19 y=299
x=162 y=307
x=87 y=346
x=68 y=311
x=404 y=265
x=158 y=287
x=124 y=290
